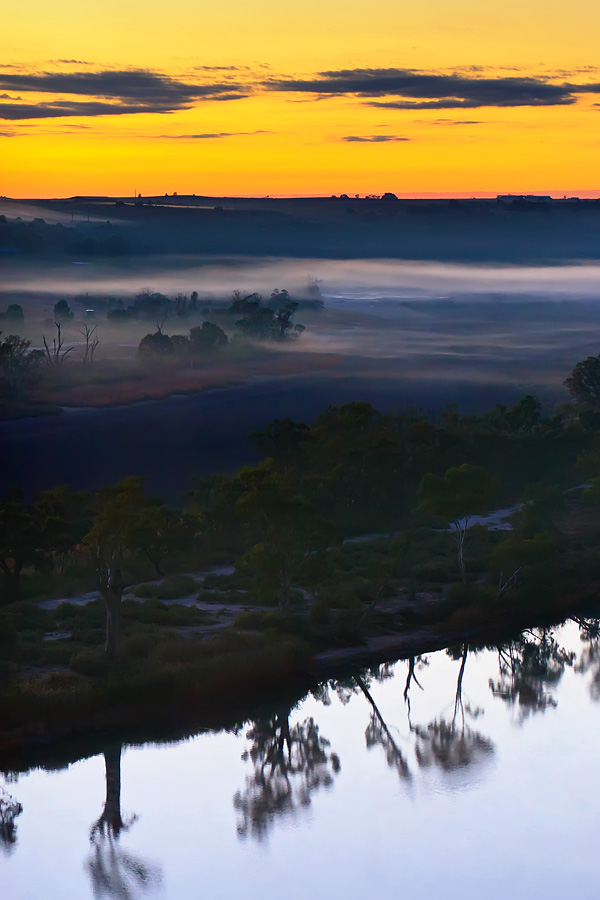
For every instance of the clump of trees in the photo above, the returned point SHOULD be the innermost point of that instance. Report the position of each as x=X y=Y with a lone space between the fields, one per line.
x=266 y=322
x=202 y=339
x=63 y=314
x=13 y=315
x=19 y=366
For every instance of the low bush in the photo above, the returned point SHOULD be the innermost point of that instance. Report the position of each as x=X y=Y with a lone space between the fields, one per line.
x=91 y=663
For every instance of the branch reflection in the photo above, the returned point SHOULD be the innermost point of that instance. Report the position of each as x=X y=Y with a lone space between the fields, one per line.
x=290 y=763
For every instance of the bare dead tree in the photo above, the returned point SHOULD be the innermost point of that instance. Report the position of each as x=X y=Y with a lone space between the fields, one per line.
x=91 y=342
x=161 y=324
x=55 y=355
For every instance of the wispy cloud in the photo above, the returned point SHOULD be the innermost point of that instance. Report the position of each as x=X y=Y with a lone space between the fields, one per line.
x=372 y=138
x=209 y=135
x=453 y=122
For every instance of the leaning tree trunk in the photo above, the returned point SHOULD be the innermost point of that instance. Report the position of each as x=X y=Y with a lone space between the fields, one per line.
x=461 y=536
x=112 y=604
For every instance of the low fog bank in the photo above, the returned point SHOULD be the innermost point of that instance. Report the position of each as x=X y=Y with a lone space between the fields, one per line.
x=391 y=333
x=341 y=280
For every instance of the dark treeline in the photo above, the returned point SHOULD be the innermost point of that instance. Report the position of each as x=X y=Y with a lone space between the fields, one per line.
x=353 y=471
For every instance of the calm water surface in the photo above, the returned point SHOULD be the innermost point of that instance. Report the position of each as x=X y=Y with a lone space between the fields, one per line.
x=489 y=791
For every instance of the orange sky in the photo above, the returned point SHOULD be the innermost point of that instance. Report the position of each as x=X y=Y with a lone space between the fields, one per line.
x=228 y=99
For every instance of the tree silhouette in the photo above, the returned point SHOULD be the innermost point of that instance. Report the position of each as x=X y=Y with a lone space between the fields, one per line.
x=583 y=383
x=290 y=763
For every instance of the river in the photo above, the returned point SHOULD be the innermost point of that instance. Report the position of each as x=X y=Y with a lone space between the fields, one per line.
x=482 y=782
x=172 y=440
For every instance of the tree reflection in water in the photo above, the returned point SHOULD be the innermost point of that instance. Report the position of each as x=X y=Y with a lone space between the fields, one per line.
x=114 y=872
x=9 y=810
x=589 y=660
x=290 y=762
x=451 y=744
x=527 y=667
x=378 y=733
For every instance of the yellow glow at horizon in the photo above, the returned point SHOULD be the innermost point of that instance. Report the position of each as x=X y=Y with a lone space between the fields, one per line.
x=513 y=149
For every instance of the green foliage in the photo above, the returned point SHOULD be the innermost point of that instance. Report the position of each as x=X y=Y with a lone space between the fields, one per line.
x=584 y=382
x=462 y=492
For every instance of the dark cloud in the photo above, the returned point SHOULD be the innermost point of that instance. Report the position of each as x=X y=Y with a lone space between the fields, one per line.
x=209 y=135
x=222 y=68
x=129 y=92
x=74 y=62
x=419 y=90
x=372 y=138
x=8 y=134
x=453 y=122
x=8 y=97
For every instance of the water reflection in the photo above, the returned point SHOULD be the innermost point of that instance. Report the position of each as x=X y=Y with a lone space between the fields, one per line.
x=453 y=744
x=409 y=734
x=114 y=872
x=527 y=668
x=290 y=762
x=9 y=810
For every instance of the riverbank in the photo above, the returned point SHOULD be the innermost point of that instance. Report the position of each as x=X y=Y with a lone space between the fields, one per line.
x=225 y=680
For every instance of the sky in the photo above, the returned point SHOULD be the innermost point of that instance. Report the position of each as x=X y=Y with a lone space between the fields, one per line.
x=319 y=97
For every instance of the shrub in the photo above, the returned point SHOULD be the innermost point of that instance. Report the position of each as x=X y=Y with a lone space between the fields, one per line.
x=91 y=663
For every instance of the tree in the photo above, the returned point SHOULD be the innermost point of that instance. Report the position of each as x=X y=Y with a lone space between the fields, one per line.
x=286 y=526
x=63 y=312
x=157 y=345
x=54 y=357
x=14 y=314
x=464 y=491
x=18 y=364
x=284 y=441
x=28 y=535
x=206 y=337
x=91 y=343
x=583 y=383
x=161 y=532
x=115 y=535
